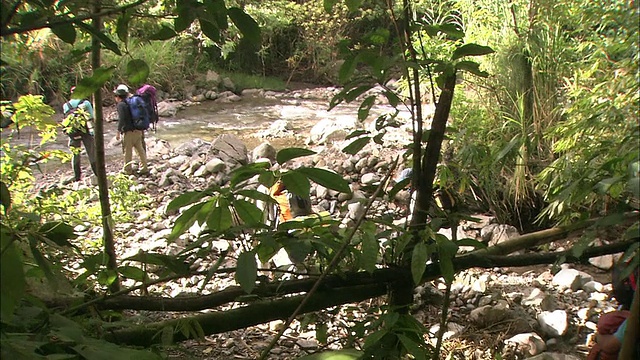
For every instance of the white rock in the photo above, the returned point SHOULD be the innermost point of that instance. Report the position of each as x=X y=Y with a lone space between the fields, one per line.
x=554 y=356
x=553 y=323
x=593 y=286
x=530 y=342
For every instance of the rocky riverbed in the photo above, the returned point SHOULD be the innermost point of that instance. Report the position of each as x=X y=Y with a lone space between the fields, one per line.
x=515 y=312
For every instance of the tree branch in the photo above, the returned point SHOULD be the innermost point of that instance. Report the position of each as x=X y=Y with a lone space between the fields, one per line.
x=59 y=20
x=269 y=310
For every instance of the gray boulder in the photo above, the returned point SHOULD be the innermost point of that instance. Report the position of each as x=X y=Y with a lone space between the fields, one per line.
x=229 y=149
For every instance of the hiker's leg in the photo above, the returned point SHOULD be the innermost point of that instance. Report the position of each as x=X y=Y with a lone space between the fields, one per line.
x=127 y=141
x=74 y=146
x=139 y=144
x=90 y=147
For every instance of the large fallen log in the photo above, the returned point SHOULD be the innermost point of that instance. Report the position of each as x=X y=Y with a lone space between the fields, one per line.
x=269 y=310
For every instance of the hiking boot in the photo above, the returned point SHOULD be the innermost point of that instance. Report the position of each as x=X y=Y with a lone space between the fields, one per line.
x=144 y=172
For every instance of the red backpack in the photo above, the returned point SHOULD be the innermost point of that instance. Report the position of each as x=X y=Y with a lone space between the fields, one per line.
x=148 y=94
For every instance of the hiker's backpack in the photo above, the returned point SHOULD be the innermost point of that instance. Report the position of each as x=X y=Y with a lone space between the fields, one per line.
x=299 y=205
x=148 y=94
x=139 y=114
x=75 y=119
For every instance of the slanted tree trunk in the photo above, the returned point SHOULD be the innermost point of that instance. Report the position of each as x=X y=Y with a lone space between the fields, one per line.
x=103 y=187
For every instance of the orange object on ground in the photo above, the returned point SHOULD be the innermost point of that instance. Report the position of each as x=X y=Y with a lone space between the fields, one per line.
x=280 y=194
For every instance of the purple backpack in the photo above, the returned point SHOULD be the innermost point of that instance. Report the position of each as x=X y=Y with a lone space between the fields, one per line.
x=148 y=94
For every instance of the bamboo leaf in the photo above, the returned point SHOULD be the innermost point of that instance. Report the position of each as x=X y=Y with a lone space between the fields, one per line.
x=247 y=271
x=419 y=259
x=287 y=154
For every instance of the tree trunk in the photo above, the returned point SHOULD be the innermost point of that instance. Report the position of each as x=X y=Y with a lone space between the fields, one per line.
x=103 y=187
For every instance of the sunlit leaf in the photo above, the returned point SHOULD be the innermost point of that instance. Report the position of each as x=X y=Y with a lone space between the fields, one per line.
x=419 y=259
x=137 y=71
x=247 y=271
x=89 y=85
x=471 y=50
x=326 y=178
x=343 y=354
x=245 y=23
x=287 y=154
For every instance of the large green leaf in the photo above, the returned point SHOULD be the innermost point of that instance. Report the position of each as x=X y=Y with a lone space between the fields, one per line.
x=58 y=232
x=245 y=23
x=365 y=107
x=184 y=221
x=248 y=212
x=12 y=282
x=220 y=218
x=89 y=85
x=347 y=68
x=209 y=29
x=66 y=32
x=447 y=250
x=5 y=196
x=218 y=10
x=287 y=154
x=185 y=199
x=419 y=259
x=122 y=27
x=165 y=33
x=187 y=10
x=137 y=71
x=132 y=272
x=471 y=50
x=246 y=172
x=369 y=256
x=326 y=178
x=296 y=183
x=247 y=271
x=414 y=348
x=472 y=67
x=344 y=354
x=356 y=145
x=104 y=39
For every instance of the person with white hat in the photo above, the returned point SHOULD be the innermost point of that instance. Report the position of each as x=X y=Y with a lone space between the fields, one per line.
x=131 y=137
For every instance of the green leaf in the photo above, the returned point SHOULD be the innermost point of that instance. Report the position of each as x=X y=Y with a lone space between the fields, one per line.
x=95 y=349
x=218 y=10
x=184 y=221
x=634 y=187
x=322 y=332
x=122 y=27
x=248 y=212
x=328 y=5
x=347 y=69
x=471 y=50
x=210 y=30
x=356 y=145
x=369 y=256
x=58 y=232
x=165 y=33
x=451 y=30
x=186 y=15
x=166 y=335
x=343 y=354
x=12 y=282
x=245 y=23
x=89 y=85
x=186 y=199
x=66 y=32
x=137 y=71
x=326 y=178
x=296 y=183
x=175 y=264
x=374 y=338
x=507 y=148
x=412 y=347
x=247 y=271
x=5 y=197
x=471 y=242
x=419 y=259
x=132 y=272
x=356 y=133
x=220 y=218
x=472 y=67
x=365 y=107
x=353 y=94
x=353 y=5
x=104 y=39
x=287 y=154
x=447 y=250
x=247 y=172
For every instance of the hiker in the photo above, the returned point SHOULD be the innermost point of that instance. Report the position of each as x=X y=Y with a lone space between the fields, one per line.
x=78 y=125
x=290 y=205
x=132 y=138
x=612 y=325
